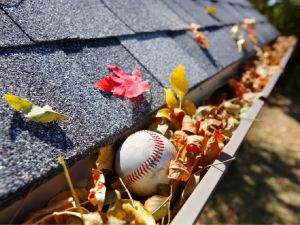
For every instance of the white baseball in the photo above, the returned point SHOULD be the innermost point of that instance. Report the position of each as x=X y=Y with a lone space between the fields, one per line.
x=143 y=162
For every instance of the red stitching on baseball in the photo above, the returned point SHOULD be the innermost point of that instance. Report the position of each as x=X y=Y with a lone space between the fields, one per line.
x=146 y=167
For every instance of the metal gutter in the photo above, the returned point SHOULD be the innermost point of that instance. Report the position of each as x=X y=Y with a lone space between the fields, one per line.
x=197 y=201
x=195 y=204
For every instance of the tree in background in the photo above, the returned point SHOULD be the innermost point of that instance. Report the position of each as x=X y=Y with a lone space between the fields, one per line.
x=285 y=15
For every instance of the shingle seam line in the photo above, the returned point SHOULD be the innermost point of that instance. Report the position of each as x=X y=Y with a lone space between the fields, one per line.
x=27 y=35
x=140 y=63
x=117 y=16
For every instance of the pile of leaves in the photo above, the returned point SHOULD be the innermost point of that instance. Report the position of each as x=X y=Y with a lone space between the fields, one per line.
x=199 y=135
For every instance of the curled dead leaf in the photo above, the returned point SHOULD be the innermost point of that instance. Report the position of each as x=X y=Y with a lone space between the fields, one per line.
x=97 y=193
x=211 y=152
x=178 y=170
x=232 y=109
x=204 y=111
x=195 y=144
x=188 y=125
x=105 y=158
x=158 y=206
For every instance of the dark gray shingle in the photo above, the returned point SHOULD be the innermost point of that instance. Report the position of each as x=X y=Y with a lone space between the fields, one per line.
x=64 y=78
x=197 y=11
x=161 y=56
x=11 y=34
x=144 y=16
x=201 y=56
x=46 y=20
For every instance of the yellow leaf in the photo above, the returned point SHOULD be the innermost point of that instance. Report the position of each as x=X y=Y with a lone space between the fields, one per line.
x=166 y=114
x=19 y=103
x=105 y=158
x=212 y=10
x=253 y=39
x=189 y=108
x=171 y=100
x=234 y=31
x=33 y=112
x=179 y=83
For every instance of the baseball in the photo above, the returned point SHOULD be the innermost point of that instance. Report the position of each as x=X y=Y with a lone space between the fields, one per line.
x=143 y=162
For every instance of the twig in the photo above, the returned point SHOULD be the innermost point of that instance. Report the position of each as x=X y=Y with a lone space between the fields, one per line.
x=61 y=160
x=127 y=192
x=178 y=153
x=18 y=210
x=174 y=21
x=217 y=163
x=44 y=218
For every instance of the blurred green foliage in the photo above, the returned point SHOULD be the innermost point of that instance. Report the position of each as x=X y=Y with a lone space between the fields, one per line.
x=285 y=16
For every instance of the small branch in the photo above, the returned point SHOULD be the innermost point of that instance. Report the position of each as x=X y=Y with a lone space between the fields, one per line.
x=174 y=21
x=127 y=192
x=178 y=153
x=60 y=159
x=44 y=218
x=217 y=163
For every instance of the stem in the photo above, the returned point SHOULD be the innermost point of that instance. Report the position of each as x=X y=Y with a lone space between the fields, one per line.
x=162 y=220
x=217 y=163
x=61 y=160
x=18 y=210
x=178 y=153
x=174 y=21
x=41 y=220
x=127 y=192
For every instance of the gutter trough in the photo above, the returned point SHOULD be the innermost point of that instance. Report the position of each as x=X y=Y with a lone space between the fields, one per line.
x=198 y=199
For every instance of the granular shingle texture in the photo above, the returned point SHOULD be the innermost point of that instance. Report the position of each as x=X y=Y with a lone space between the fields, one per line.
x=46 y=20
x=63 y=77
x=161 y=56
x=202 y=56
x=144 y=16
x=53 y=52
x=11 y=34
x=197 y=11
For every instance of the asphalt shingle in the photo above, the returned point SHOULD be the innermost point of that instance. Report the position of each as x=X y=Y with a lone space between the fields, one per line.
x=11 y=34
x=223 y=47
x=63 y=77
x=46 y=20
x=201 y=56
x=224 y=15
x=161 y=56
x=145 y=16
x=197 y=11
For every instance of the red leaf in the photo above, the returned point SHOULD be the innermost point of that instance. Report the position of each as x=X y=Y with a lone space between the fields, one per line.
x=123 y=85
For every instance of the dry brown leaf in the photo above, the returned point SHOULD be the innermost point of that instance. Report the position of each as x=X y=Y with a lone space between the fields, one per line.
x=180 y=138
x=204 y=111
x=177 y=114
x=232 y=109
x=195 y=144
x=188 y=125
x=97 y=193
x=81 y=193
x=213 y=122
x=188 y=190
x=211 y=152
x=178 y=170
x=105 y=158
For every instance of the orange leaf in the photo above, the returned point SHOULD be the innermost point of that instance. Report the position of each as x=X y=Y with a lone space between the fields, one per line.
x=211 y=152
x=195 y=144
x=205 y=44
x=96 y=193
x=178 y=170
x=213 y=122
x=199 y=36
x=177 y=114
x=188 y=125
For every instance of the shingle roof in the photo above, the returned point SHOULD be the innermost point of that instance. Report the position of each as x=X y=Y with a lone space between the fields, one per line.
x=53 y=52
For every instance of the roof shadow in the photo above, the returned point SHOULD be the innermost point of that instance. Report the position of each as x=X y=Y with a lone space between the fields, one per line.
x=140 y=107
x=50 y=133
